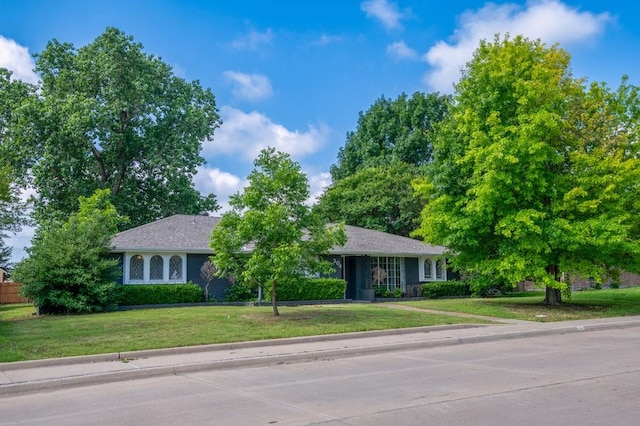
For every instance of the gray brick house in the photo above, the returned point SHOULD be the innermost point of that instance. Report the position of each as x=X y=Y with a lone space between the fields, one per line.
x=173 y=249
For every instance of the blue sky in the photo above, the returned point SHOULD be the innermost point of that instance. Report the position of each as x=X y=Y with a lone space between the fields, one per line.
x=295 y=74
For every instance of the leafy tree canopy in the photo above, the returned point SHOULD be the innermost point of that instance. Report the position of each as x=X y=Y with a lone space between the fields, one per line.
x=5 y=256
x=68 y=269
x=271 y=236
x=390 y=131
x=380 y=198
x=535 y=173
x=109 y=116
x=14 y=102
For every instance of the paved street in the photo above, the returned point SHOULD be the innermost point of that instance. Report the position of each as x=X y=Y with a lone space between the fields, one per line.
x=579 y=378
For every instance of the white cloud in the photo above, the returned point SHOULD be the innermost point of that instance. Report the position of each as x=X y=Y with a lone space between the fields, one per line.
x=17 y=59
x=251 y=87
x=387 y=13
x=549 y=20
x=317 y=185
x=254 y=40
x=326 y=39
x=19 y=242
x=245 y=134
x=400 y=50
x=222 y=184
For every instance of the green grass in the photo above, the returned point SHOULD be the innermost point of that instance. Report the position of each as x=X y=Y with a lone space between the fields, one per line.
x=24 y=336
x=528 y=306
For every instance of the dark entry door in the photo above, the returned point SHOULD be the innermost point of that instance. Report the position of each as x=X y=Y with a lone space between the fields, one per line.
x=350 y=275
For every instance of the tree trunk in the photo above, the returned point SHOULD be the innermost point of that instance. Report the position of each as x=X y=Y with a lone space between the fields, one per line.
x=553 y=296
x=274 y=301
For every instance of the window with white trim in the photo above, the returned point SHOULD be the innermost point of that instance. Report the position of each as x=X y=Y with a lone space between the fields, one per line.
x=175 y=268
x=156 y=268
x=136 y=268
x=433 y=269
x=439 y=269
x=388 y=272
x=427 y=269
x=142 y=268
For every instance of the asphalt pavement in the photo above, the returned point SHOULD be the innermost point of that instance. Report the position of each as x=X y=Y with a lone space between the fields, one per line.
x=56 y=373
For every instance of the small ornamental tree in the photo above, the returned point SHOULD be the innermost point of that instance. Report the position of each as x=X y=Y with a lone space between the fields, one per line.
x=68 y=269
x=208 y=273
x=271 y=236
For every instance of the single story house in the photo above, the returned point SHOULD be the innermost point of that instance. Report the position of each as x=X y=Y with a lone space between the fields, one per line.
x=173 y=249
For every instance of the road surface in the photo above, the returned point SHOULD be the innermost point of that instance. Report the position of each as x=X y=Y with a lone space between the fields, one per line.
x=586 y=378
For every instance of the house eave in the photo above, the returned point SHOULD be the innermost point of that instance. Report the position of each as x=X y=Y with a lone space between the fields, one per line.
x=382 y=253
x=160 y=250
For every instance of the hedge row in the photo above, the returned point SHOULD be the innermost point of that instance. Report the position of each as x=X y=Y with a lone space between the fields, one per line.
x=313 y=289
x=445 y=289
x=160 y=294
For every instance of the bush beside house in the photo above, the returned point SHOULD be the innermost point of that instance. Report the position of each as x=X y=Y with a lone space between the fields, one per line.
x=445 y=289
x=159 y=294
x=313 y=289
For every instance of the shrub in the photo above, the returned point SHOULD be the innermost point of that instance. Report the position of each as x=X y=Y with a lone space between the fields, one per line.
x=239 y=293
x=68 y=270
x=445 y=289
x=381 y=292
x=160 y=294
x=483 y=286
x=313 y=289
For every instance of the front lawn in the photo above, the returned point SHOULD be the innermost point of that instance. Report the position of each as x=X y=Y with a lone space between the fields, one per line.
x=527 y=306
x=24 y=336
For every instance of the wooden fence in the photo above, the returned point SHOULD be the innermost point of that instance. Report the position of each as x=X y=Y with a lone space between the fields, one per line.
x=10 y=293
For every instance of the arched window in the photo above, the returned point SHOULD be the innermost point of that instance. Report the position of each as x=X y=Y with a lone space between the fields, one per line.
x=427 y=269
x=438 y=269
x=136 y=268
x=175 y=268
x=156 y=268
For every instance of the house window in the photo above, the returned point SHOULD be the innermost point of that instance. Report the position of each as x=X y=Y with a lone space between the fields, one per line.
x=156 y=268
x=427 y=269
x=433 y=269
x=142 y=268
x=388 y=272
x=438 y=269
x=175 y=268
x=136 y=268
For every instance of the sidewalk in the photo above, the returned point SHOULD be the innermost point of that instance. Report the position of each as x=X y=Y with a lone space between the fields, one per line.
x=50 y=374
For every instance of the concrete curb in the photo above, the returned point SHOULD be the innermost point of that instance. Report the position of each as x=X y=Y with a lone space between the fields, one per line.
x=179 y=369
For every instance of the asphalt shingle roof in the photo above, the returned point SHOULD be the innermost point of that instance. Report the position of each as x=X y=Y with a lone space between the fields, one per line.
x=191 y=234
x=178 y=232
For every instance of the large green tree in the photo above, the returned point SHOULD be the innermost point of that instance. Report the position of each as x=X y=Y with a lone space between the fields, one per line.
x=271 y=236
x=15 y=102
x=5 y=256
x=392 y=130
x=68 y=268
x=111 y=116
x=536 y=174
x=380 y=198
